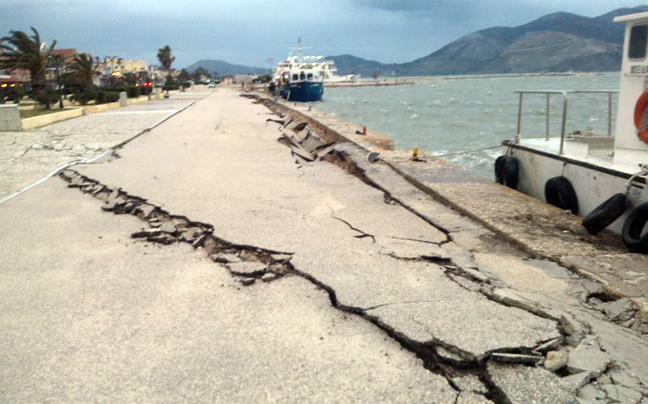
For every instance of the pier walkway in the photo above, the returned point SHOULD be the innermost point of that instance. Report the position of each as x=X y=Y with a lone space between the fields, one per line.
x=205 y=261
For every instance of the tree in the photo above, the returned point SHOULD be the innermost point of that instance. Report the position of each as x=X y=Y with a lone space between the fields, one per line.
x=20 y=51
x=82 y=70
x=200 y=73
x=184 y=75
x=166 y=59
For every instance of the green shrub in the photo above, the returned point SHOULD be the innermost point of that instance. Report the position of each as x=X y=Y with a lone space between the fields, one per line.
x=84 y=97
x=133 y=92
x=170 y=87
x=47 y=97
x=186 y=84
x=107 y=96
x=14 y=94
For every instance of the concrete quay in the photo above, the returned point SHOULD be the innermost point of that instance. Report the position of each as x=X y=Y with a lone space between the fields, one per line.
x=212 y=263
x=539 y=229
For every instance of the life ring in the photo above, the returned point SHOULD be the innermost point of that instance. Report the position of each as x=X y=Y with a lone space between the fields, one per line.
x=633 y=227
x=640 y=110
x=559 y=192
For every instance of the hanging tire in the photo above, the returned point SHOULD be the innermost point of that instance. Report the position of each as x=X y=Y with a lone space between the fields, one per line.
x=559 y=192
x=606 y=213
x=632 y=228
x=510 y=173
x=499 y=169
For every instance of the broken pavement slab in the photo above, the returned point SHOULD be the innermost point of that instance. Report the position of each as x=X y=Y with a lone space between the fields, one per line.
x=588 y=357
x=524 y=385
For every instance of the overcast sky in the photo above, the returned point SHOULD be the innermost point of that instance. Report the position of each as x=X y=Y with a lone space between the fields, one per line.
x=250 y=32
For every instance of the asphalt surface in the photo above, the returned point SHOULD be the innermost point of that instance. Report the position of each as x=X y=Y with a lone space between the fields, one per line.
x=377 y=307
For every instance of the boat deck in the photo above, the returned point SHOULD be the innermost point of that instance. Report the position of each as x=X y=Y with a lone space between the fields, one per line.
x=596 y=151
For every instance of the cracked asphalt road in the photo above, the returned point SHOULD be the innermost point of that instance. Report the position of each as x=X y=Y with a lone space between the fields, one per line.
x=129 y=320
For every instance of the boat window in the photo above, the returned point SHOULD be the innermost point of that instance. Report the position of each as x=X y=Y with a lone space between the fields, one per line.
x=295 y=77
x=302 y=76
x=638 y=41
x=310 y=76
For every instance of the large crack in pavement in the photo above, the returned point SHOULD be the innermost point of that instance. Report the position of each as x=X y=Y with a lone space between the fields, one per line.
x=249 y=264
x=575 y=331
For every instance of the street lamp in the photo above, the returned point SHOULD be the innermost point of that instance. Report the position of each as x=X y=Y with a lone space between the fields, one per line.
x=56 y=60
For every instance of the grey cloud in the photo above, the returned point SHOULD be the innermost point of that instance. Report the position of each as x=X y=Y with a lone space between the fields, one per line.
x=406 y=5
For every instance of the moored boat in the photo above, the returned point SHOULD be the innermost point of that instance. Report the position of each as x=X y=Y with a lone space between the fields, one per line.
x=600 y=176
x=299 y=80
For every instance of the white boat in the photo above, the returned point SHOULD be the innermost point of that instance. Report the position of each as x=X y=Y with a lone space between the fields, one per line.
x=581 y=171
x=322 y=69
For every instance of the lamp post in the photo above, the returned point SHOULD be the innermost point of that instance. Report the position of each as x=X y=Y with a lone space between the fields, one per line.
x=56 y=61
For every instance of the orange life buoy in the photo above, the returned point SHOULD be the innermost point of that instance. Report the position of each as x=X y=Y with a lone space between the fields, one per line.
x=642 y=103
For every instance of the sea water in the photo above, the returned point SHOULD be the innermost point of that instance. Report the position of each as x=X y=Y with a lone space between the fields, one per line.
x=450 y=115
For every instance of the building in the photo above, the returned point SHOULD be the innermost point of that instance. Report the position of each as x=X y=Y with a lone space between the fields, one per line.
x=116 y=64
x=66 y=54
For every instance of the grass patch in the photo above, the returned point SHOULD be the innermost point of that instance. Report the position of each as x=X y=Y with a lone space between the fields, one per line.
x=29 y=113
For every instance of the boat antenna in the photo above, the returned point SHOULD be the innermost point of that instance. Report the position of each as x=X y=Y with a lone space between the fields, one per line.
x=300 y=49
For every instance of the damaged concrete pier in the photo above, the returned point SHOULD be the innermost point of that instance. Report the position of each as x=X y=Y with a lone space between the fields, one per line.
x=240 y=254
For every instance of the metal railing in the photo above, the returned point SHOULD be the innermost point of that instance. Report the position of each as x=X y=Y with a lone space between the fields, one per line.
x=564 y=94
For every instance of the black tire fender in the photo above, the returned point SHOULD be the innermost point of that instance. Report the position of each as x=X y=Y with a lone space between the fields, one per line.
x=559 y=192
x=499 y=169
x=606 y=213
x=511 y=172
x=632 y=228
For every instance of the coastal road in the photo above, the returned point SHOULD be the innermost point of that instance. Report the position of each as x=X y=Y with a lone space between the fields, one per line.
x=223 y=268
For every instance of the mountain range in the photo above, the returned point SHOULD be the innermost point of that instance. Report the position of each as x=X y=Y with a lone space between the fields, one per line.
x=223 y=68
x=557 y=42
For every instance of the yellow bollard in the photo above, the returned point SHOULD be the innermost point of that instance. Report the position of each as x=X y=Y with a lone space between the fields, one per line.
x=414 y=153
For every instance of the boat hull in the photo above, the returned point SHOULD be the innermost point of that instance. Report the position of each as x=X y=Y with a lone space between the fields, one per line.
x=303 y=91
x=593 y=183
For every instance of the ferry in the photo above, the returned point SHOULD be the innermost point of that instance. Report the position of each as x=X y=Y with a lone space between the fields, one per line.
x=599 y=176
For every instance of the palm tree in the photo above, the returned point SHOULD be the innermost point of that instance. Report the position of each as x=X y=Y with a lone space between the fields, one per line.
x=19 y=51
x=83 y=69
x=166 y=59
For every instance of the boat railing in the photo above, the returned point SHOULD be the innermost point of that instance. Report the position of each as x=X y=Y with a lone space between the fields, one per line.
x=565 y=96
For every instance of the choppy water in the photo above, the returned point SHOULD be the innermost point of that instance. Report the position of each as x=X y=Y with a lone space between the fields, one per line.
x=449 y=116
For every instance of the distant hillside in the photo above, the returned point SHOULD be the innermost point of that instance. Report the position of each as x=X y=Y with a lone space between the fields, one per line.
x=349 y=64
x=554 y=43
x=224 y=68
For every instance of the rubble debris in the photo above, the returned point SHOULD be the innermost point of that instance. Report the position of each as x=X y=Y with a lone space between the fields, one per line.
x=588 y=357
x=620 y=394
x=269 y=277
x=226 y=258
x=247 y=281
x=516 y=358
x=556 y=360
x=579 y=380
x=592 y=394
x=620 y=310
x=550 y=345
x=248 y=269
x=373 y=157
x=470 y=383
x=524 y=384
